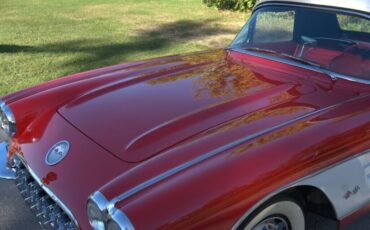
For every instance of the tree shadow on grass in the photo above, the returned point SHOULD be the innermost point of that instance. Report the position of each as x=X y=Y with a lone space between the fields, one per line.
x=98 y=52
x=14 y=48
x=187 y=30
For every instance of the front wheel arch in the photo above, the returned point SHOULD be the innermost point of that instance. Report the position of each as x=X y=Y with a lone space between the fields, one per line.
x=286 y=209
x=310 y=198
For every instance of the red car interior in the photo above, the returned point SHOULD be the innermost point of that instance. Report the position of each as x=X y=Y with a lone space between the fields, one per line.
x=327 y=44
x=354 y=60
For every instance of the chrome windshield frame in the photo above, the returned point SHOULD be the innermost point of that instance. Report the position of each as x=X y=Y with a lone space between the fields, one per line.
x=331 y=74
x=304 y=4
x=358 y=5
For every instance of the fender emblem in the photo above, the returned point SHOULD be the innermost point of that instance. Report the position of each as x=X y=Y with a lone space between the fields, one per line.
x=57 y=153
x=352 y=192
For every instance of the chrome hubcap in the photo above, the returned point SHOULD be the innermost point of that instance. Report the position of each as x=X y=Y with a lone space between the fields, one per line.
x=273 y=223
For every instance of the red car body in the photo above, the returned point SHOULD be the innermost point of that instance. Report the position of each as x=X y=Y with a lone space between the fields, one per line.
x=254 y=127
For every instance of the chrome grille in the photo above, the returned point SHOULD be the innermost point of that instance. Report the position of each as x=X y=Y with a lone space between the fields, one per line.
x=49 y=214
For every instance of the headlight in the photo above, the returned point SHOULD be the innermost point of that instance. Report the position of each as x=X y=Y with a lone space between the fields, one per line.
x=96 y=205
x=7 y=120
x=96 y=216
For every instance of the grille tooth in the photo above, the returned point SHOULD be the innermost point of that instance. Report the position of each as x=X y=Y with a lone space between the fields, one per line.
x=68 y=226
x=62 y=221
x=22 y=178
x=48 y=213
x=38 y=204
x=31 y=193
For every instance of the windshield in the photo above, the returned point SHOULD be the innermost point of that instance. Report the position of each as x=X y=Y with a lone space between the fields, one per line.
x=324 y=39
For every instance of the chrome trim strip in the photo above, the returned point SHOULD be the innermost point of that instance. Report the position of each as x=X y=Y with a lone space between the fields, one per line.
x=100 y=200
x=331 y=74
x=358 y=5
x=48 y=191
x=217 y=151
x=293 y=184
x=326 y=8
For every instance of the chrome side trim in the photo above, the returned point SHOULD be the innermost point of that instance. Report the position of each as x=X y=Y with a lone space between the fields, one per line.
x=5 y=171
x=331 y=74
x=48 y=191
x=217 y=151
x=358 y=5
x=301 y=182
x=100 y=200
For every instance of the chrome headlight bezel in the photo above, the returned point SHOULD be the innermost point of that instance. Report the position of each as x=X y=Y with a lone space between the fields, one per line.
x=96 y=203
x=7 y=120
x=110 y=215
x=118 y=218
x=95 y=215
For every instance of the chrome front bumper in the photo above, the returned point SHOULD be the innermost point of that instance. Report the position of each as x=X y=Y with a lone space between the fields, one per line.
x=5 y=171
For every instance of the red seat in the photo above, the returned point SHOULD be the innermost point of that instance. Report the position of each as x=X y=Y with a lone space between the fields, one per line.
x=318 y=55
x=351 y=63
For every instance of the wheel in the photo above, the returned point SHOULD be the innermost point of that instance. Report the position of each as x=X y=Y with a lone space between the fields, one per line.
x=283 y=214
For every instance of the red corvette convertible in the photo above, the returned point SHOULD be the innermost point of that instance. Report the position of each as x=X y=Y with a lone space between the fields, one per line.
x=253 y=136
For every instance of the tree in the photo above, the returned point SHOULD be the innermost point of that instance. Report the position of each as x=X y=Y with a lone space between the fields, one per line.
x=238 y=5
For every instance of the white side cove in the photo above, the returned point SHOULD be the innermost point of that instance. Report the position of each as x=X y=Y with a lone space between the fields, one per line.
x=347 y=185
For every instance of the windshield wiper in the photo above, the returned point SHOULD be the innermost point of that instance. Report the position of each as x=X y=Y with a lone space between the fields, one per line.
x=294 y=58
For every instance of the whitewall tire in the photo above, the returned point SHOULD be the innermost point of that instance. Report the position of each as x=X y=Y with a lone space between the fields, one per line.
x=279 y=215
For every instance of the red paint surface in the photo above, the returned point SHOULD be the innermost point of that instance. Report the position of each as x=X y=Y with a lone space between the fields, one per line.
x=161 y=113
x=354 y=216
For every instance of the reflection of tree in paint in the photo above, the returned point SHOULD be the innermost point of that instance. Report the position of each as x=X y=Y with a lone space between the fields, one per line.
x=228 y=80
x=286 y=131
x=207 y=59
x=217 y=78
x=212 y=56
x=220 y=80
x=257 y=116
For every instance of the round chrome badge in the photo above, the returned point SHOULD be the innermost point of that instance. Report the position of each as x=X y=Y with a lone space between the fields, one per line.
x=57 y=153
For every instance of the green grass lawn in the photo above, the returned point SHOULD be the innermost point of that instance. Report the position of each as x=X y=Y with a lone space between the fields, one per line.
x=42 y=40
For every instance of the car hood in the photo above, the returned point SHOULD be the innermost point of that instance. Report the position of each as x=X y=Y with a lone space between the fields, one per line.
x=157 y=105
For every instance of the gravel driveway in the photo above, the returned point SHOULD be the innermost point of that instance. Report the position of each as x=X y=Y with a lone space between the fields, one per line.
x=15 y=215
